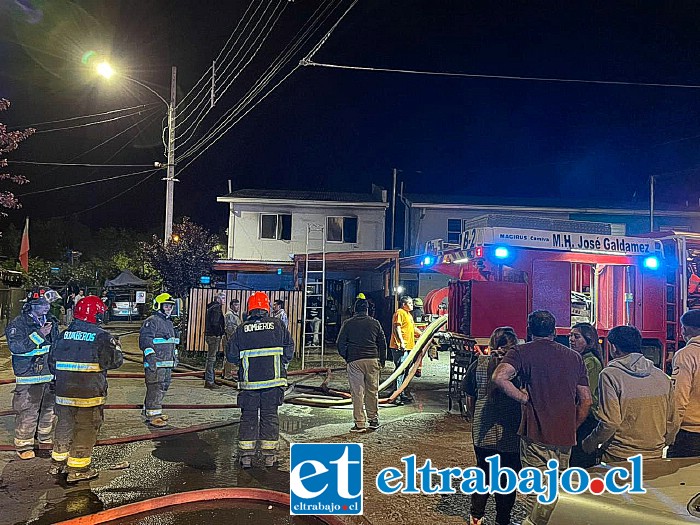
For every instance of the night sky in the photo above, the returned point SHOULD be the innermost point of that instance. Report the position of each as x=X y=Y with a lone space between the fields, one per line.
x=335 y=129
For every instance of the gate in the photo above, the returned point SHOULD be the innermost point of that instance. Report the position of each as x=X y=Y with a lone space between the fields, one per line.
x=200 y=297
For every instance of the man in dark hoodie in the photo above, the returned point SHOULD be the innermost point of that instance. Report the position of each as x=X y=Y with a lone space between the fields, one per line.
x=214 y=329
x=362 y=343
x=637 y=413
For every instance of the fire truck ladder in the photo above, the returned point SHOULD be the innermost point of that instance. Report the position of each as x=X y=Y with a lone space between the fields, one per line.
x=314 y=296
x=673 y=296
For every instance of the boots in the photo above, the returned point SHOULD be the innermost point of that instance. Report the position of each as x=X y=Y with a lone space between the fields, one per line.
x=247 y=462
x=26 y=454
x=158 y=422
x=57 y=467
x=270 y=460
x=83 y=475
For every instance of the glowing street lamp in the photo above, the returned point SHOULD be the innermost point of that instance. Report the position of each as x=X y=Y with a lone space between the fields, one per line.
x=105 y=70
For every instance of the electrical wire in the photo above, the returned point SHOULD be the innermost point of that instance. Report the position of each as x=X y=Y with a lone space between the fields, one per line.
x=500 y=77
x=80 y=164
x=67 y=186
x=104 y=121
x=282 y=60
x=141 y=106
x=108 y=200
x=227 y=83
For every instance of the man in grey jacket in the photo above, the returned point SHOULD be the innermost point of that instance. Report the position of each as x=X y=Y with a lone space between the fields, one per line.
x=637 y=413
x=362 y=343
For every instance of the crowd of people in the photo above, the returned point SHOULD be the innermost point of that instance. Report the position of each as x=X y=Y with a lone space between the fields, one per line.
x=530 y=402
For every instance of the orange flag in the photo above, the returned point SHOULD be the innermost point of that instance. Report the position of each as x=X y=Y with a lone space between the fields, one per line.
x=24 y=248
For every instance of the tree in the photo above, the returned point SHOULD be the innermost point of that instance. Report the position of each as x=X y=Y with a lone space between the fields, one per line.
x=181 y=262
x=9 y=141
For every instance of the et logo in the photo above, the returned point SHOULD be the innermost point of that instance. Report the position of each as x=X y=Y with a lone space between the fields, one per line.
x=325 y=478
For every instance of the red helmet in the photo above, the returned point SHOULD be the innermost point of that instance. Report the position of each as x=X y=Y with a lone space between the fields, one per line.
x=259 y=301
x=88 y=308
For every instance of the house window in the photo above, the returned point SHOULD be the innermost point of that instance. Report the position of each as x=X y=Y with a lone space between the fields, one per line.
x=341 y=229
x=276 y=226
x=454 y=231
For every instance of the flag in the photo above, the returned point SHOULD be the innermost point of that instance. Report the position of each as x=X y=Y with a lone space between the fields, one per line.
x=24 y=248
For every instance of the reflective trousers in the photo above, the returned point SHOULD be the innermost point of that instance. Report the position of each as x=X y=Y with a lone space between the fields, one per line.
x=34 y=405
x=259 y=420
x=157 y=384
x=76 y=434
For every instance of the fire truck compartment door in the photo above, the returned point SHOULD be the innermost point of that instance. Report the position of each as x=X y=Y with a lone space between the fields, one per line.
x=616 y=295
x=551 y=289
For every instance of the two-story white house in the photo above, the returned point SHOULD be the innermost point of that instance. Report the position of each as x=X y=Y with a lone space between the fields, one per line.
x=267 y=228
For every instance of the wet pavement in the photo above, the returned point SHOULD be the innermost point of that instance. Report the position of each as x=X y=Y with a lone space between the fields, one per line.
x=207 y=459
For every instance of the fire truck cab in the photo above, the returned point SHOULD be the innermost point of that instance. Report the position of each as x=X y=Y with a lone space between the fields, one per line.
x=580 y=271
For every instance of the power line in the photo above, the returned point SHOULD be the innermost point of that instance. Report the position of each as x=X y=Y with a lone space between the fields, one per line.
x=307 y=62
x=86 y=116
x=80 y=164
x=57 y=188
x=89 y=123
x=108 y=200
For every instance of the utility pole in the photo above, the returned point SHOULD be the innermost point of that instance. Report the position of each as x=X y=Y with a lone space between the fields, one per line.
x=651 y=204
x=170 y=178
x=393 y=210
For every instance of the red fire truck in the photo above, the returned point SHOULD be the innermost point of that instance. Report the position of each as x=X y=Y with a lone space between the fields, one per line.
x=580 y=271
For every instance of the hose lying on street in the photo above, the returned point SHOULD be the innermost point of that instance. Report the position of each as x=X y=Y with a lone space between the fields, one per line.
x=182 y=498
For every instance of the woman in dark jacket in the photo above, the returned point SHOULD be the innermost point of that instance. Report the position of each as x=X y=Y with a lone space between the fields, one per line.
x=495 y=422
x=584 y=339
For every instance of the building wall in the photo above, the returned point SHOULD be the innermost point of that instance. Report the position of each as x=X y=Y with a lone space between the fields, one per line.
x=428 y=224
x=247 y=245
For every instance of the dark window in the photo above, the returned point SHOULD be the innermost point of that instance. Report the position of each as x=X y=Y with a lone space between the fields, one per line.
x=276 y=227
x=454 y=230
x=341 y=229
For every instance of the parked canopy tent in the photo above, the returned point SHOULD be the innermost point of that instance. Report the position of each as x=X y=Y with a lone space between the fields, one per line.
x=125 y=279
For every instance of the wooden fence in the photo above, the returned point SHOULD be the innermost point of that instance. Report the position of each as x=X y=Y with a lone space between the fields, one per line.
x=200 y=297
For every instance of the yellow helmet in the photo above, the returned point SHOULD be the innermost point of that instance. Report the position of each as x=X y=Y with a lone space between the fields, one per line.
x=163 y=298
x=360 y=296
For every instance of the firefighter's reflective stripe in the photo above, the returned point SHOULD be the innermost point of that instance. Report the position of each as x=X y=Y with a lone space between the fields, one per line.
x=268 y=445
x=59 y=456
x=78 y=367
x=24 y=442
x=274 y=352
x=257 y=385
x=165 y=364
x=161 y=341
x=148 y=351
x=246 y=445
x=78 y=462
x=45 y=431
x=80 y=402
x=36 y=338
x=155 y=412
x=39 y=351
x=32 y=380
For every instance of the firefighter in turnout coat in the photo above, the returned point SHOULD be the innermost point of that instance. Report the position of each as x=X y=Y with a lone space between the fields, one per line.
x=262 y=347
x=80 y=359
x=159 y=345
x=29 y=336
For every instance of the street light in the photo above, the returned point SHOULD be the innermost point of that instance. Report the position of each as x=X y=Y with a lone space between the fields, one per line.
x=105 y=70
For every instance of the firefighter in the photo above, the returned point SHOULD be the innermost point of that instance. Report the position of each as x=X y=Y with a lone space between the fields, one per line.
x=159 y=344
x=80 y=360
x=421 y=324
x=29 y=336
x=263 y=347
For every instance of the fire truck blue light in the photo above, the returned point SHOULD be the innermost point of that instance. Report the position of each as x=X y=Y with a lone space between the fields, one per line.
x=651 y=262
x=501 y=252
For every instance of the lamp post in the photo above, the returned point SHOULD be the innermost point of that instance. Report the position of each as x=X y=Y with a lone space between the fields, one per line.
x=106 y=71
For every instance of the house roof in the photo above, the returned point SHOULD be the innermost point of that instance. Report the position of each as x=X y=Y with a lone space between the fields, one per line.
x=297 y=197
x=545 y=204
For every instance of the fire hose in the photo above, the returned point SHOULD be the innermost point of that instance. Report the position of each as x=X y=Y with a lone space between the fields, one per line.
x=181 y=498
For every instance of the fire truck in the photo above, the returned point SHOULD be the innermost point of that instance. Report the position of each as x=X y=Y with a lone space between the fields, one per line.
x=507 y=266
